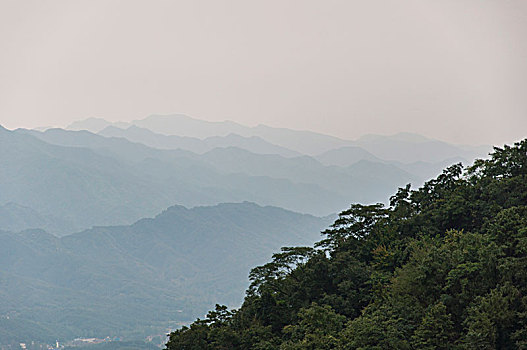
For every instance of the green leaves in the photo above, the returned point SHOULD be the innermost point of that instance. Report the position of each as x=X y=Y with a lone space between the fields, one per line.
x=490 y=319
x=318 y=328
x=444 y=267
x=436 y=330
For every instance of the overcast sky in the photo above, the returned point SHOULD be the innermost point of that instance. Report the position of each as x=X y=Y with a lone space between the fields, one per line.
x=451 y=69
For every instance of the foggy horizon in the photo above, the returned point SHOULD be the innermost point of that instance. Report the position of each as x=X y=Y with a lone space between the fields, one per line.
x=250 y=174
x=448 y=70
x=121 y=124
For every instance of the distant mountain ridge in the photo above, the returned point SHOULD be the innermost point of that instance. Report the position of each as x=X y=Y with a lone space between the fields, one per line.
x=105 y=181
x=15 y=217
x=138 y=280
x=409 y=148
x=91 y=192
x=87 y=179
x=305 y=142
x=346 y=156
x=399 y=147
x=149 y=138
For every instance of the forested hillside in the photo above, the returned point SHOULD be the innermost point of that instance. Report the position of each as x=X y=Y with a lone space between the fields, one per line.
x=442 y=267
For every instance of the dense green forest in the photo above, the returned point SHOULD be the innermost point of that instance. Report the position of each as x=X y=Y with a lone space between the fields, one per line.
x=442 y=267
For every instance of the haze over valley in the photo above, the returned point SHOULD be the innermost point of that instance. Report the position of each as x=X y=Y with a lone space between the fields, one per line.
x=67 y=180
x=75 y=205
x=278 y=175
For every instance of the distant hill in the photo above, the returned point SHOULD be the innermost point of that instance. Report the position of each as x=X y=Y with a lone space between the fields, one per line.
x=14 y=217
x=182 y=125
x=94 y=124
x=90 y=124
x=149 y=138
x=87 y=179
x=364 y=181
x=77 y=185
x=71 y=180
x=346 y=156
x=305 y=142
x=92 y=180
x=401 y=147
x=138 y=280
x=409 y=148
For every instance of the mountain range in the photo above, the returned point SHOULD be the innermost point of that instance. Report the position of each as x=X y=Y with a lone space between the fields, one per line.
x=88 y=248
x=67 y=181
x=140 y=279
x=402 y=147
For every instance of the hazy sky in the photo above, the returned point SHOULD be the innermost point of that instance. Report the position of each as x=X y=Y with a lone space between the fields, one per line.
x=452 y=69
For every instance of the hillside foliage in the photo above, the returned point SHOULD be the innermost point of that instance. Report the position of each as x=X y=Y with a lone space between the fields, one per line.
x=442 y=267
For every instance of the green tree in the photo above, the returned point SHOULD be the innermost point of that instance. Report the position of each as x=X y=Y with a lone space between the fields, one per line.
x=435 y=331
x=318 y=328
x=443 y=267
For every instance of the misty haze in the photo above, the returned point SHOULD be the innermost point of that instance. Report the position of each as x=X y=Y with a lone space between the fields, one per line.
x=263 y=175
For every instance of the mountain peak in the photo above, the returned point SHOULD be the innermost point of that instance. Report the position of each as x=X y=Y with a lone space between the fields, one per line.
x=400 y=136
x=90 y=124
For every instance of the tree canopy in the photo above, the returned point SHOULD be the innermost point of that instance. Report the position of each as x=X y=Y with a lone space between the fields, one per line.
x=442 y=267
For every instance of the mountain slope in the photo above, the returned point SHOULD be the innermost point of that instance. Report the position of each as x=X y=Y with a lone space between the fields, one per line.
x=91 y=180
x=367 y=182
x=401 y=147
x=409 y=148
x=14 y=217
x=363 y=181
x=346 y=156
x=443 y=267
x=66 y=182
x=88 y=179
x=137 y=280
x=145 y=136
x=305 y=142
